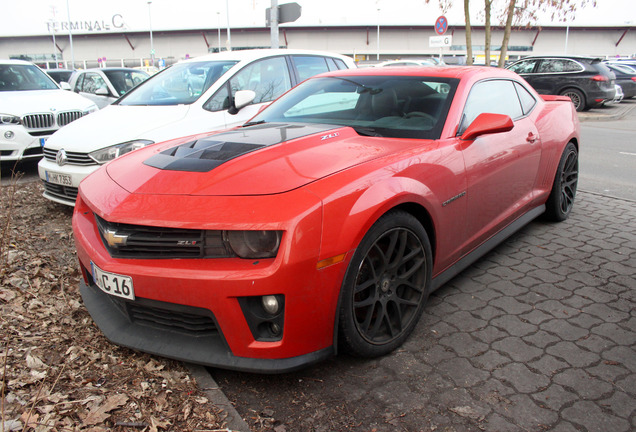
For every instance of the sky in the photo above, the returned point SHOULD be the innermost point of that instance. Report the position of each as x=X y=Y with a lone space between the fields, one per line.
x=40 y=17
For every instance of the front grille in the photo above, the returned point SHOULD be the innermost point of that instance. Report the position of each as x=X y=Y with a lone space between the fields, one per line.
x=73 y=158
x=139 y=241
x=32 y=151
x=199 y=323
x=38 y=121
x=59 y=191
x=65 y=118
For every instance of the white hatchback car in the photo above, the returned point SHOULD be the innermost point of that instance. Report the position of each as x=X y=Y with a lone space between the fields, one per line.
x=199 y=95
x=105 y=85
x=32 y=107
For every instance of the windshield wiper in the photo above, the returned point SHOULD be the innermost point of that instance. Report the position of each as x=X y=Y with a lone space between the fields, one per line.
x=366 y=131
x=252 y=123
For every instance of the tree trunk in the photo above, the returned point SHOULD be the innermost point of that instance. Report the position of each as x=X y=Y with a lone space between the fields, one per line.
x=469 y=37
x=506 y=38
x=487 y=4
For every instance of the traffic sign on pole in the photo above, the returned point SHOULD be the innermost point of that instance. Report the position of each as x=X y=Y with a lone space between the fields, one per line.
x=441 y=25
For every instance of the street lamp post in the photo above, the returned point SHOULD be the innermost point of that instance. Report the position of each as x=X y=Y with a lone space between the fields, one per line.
x=152 y=47
x=218 y=16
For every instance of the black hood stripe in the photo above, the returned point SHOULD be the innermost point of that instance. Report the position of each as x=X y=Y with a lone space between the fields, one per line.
x=205 y=154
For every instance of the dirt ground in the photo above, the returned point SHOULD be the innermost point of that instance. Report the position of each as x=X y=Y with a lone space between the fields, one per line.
x=57 y=371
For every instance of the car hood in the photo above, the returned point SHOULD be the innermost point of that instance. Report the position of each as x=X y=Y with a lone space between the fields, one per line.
x=116 y=124
x=20 y=103
x=257 y=160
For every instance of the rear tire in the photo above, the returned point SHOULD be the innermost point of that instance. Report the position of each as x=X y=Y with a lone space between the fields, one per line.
x=386 y=286
x=577 y=97
x=561 y=199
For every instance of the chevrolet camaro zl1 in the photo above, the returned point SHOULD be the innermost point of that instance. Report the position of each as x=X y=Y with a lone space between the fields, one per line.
x=323 y=223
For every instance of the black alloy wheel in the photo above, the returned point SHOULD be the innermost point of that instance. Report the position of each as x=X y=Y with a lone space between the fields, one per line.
x=386 y=286
x=561 y=199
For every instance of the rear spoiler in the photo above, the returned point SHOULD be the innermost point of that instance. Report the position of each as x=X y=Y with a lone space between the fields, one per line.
x=552 y=98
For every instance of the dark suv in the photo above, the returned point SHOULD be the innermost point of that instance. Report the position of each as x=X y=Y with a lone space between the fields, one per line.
x=587 y=81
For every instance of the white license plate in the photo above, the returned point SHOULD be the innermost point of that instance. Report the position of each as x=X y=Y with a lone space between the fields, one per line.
x=57 y=178
x=113 y=284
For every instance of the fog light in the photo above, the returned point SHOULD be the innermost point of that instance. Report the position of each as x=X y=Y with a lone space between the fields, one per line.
x=9 y=134
x=274 y=328
x=270 y=304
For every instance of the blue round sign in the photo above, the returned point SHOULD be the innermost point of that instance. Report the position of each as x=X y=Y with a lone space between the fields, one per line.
x=441 y=25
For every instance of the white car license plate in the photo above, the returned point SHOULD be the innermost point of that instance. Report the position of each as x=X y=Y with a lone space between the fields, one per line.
x=113 y=284
x=57 y=178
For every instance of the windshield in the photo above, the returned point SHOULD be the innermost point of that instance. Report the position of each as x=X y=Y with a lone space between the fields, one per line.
x=20 y=77
x=180 y=84
x=390 y=106
x=124 y=80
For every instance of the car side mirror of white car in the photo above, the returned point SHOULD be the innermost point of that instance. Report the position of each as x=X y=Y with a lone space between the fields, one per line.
x=102 y=92
x=242 y=98
x=65 y=86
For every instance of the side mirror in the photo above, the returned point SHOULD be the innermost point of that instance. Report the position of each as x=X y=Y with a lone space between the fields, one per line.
x=488 y=123
x=242 y=98
x=65 y=86
x=102 y=92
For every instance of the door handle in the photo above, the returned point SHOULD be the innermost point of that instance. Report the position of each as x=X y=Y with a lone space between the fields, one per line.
x=532 y=138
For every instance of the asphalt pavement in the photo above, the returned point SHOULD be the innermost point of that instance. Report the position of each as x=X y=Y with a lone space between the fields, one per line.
x=538 y=335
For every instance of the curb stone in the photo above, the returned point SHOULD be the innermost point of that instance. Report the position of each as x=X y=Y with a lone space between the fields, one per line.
x=234 y=422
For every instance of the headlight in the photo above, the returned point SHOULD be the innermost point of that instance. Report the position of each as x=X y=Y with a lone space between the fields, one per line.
x=9 y=119
x=91 y=109
x=107 y=154
x=254 y=244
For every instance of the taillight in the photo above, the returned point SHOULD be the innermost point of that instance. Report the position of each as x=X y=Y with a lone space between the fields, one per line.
x=634 y=79
x=599 y=78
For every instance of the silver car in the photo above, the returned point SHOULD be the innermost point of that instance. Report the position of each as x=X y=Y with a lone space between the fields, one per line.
x=105 y=85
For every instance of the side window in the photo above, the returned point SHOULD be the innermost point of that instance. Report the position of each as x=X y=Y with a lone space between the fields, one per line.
x=527 y=100
x=220 y=101
x=495 y=96
x=78 y=83
x=341 y=64
x=308 y=66
x=523 y=67
x=558 y=66
x=268 y=78
x=331 y=63
x=93 y=82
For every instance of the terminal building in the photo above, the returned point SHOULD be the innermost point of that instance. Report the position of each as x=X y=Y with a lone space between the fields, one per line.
x=134 y=38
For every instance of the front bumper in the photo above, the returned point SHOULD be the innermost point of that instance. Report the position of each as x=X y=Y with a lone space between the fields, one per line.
x=118 y=323
x=216 y=287
x=17 y=144
x=63 y=193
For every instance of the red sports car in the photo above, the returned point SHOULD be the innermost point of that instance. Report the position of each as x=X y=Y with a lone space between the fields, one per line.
x=324 y=222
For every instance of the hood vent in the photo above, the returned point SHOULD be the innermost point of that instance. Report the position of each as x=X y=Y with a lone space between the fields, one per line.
x=208 y=153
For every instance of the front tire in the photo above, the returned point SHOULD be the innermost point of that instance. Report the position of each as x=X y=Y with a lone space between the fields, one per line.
x=561 y=199
x=386 y=286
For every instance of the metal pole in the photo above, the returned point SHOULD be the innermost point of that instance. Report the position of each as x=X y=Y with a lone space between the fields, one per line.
x=377 y=57
x=218 y=16
x=567 y=34
x=152 y=47
x=70 y=34
x=229 y=36
x=273 y=23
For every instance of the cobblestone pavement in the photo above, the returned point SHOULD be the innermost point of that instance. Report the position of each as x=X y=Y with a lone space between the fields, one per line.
x=538 y=335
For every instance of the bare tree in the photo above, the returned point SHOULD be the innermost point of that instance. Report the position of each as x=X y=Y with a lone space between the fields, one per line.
x=507 y=30
x=469 y=37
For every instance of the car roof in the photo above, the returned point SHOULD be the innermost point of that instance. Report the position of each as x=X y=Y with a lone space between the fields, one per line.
x=570 y=57
x=248 y=55
x=427 y=71
x=14 y=62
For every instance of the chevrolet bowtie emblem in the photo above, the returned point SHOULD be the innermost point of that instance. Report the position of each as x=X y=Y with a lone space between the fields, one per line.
x=113 y=239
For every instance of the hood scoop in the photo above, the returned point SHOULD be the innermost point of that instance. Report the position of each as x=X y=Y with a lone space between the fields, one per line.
x=205 y=154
